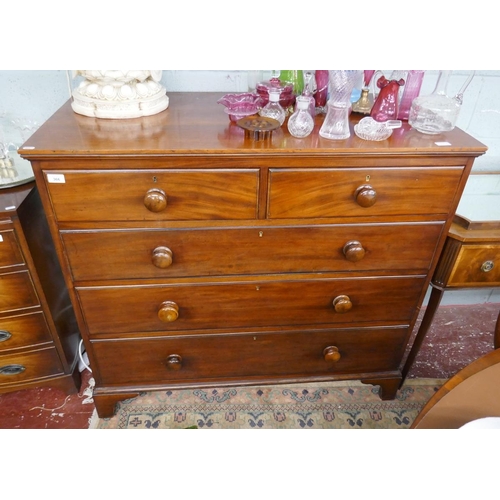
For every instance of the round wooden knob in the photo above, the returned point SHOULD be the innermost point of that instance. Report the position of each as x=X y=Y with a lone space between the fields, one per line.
x=342 y=303
x=331 y=354
x=155 y=200
x=365 y=196
x=353 y=251
x=174 y=362
x=169 y=311
x=162 y=257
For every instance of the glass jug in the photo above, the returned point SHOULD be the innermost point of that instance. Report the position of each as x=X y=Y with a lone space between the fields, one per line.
x=437 y=112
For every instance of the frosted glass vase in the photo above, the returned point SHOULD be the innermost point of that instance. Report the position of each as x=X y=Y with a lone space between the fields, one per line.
x=336 y=124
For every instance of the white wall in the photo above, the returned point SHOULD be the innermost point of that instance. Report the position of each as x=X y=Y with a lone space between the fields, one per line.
x=28 y=98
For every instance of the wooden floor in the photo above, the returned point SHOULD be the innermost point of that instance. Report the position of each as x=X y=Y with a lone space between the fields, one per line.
x=458 y=336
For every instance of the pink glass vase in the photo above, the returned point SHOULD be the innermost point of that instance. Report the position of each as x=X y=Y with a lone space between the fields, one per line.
x=321 y=93
x=411 y=90
x=386 y=106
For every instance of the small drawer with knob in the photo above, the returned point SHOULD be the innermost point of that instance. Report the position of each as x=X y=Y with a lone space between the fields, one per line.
x=152 y=195
x=476 y=265
x=180 y=308
x=29 y=366
x=213 y=358
x=161 y=253
x=353 y=192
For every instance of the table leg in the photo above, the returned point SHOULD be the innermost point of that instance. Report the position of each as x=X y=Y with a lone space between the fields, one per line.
x=496 y=340
x=434 y=301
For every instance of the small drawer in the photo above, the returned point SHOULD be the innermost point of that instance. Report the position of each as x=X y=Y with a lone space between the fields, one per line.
x=476 y=265
x=23 y=331
x=152 y=195
x=142 y=254
x=10 y=253
x=17 y=291
x=265 y=355
x=179 y=308
x=356 y=192
x=33 y=365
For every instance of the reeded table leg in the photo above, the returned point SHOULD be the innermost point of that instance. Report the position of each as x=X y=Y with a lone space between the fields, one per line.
x=496 y=340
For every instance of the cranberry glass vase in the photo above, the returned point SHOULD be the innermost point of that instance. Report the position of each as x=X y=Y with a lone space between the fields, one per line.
x=411 y=90
x=321 y=94
x=387 y=103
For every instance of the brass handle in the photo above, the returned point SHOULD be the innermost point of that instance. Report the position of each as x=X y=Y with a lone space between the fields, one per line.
x=353 y=251
x=155 y=200
x=4 y=335
x=487 y=266
x=162 y=257
x=342 y=304
x=331 y=354
x=12 y=369
x=168 y=312
x=174 y=362
x=365 y=196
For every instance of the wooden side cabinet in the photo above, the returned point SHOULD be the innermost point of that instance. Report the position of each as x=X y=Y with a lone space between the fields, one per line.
x=470 y=259
x=38 y=330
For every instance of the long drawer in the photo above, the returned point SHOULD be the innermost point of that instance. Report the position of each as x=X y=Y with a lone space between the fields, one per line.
x=134 y=254
x=365 y=192
x=23 y=367
x=23 y=330
x=195 y=359
x=103 y=195
x=17 y=291
x=246 y=304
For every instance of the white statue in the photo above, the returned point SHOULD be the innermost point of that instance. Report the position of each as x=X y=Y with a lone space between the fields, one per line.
x=119 y=93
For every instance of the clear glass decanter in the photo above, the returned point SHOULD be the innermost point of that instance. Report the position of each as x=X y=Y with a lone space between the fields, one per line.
x=437 y=112
x=309 y=93
x=301 y=123
x=273 y=108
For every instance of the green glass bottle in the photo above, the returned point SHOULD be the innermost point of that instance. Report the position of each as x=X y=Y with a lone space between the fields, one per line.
x=295 y=77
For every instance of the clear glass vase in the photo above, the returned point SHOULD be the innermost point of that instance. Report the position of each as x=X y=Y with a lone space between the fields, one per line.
x=336 y=124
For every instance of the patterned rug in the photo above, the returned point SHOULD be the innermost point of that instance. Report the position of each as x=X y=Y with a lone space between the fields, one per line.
x=329 y=405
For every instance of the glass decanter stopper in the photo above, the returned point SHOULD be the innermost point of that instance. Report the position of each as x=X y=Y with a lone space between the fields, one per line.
x=273 y=108
x=301 y=123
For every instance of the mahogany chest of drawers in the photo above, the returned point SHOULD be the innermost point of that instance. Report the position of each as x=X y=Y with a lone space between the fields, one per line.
x=198 y=257
x=38 y=329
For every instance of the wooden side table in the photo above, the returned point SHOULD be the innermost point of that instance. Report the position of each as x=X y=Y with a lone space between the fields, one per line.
x=470 y=259
x=469 y=395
